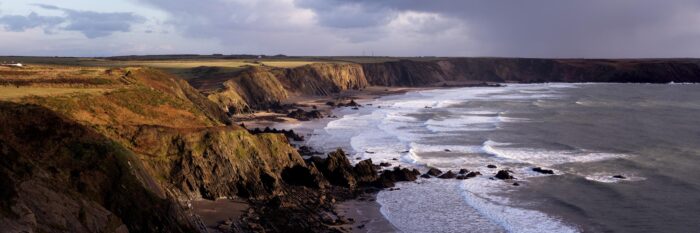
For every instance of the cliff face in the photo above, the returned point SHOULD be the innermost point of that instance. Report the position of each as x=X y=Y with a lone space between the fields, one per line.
x=323 y=79
x=60 y=176
x=124 y=160
x=262 y=88
x=215 y=162
x=424 y=73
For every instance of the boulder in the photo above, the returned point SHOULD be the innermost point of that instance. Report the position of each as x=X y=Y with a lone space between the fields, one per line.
x=504 y=175
x=365 y=171
x=447 y=175
x=389 y=177
x=336 y=168
x=543 y=171
x=472 y=174
x=385 y=164
x=491 y=166
x=463 y=171
x=434 y=172
x=619 y=177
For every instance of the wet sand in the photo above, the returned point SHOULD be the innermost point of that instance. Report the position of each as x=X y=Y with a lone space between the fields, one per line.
x=214 y=213
x=365 y=212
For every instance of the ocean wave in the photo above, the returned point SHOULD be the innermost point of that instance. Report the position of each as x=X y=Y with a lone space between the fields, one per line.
x=542 y=157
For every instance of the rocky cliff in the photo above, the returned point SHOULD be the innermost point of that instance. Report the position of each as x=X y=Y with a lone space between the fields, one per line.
x=262 y=88
x=128 y=160
x=425 y=73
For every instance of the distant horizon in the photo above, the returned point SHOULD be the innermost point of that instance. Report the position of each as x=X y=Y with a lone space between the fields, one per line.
x=354 y=56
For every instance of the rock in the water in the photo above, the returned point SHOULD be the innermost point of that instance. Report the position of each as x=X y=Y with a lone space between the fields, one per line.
x=491 y=166
x=447 y=175
x=463 y=171
x=543 y=171
x=473 y=174
x=426 y=176
x=365 y=171
x=504 y=175
x=434 y=172
x=619 y=177
x=385 y=164
x=389 y=177
x=516 y=184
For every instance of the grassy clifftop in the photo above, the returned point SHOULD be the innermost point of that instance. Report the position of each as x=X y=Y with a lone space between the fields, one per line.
x=125 y=158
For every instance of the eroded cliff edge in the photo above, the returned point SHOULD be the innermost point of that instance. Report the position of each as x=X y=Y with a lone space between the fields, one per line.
x=264 y=87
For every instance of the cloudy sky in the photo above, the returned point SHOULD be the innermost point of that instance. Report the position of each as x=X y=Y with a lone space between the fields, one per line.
x=505 y=28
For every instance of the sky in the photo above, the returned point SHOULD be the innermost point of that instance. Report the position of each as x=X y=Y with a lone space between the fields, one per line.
x=471 y=28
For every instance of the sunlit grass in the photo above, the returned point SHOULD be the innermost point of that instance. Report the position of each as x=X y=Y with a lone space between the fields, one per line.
x=10 y=92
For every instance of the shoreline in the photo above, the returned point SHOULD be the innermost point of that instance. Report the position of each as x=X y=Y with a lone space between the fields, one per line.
x=364 y=209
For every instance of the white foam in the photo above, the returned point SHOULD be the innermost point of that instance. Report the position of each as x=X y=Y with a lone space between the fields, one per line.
x=473 y=205
x=608 y=177
x=541 y=157
x=479 y=194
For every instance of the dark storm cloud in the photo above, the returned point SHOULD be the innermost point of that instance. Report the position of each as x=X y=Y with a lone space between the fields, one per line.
x=546 y=28
x=532 y=28
x=89 y=23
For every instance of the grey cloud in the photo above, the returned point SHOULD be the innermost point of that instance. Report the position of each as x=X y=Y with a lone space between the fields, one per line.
x=89 y=23
x=349 y=14
x=533 y=28
x=20 y=23
x=551 y=28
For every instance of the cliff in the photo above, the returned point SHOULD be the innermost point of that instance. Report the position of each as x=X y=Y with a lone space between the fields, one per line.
x=61 y=176
x=425 y=73
x=263 y=88
x=129 y=159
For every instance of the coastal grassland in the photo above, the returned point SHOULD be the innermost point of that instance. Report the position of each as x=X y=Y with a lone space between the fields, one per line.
x=14 y=92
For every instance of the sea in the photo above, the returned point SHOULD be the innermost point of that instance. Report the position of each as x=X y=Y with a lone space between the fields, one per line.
x=648 y=135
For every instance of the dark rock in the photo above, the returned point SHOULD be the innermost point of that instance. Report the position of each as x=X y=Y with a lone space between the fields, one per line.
x=543 y=171
x=426 y=176
x=619 y=177
x=448 y=150
x=434 y=172
x=389 y=177
x=463 y=171
x=504 y=175
x=365 y=171
x=337 y=169
x=369 y=152
x=385 y=164
x=462 y=177
x=447 y=175
x=472 y=174
x=302 y=115
x=491 y=166
x=516 y=184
